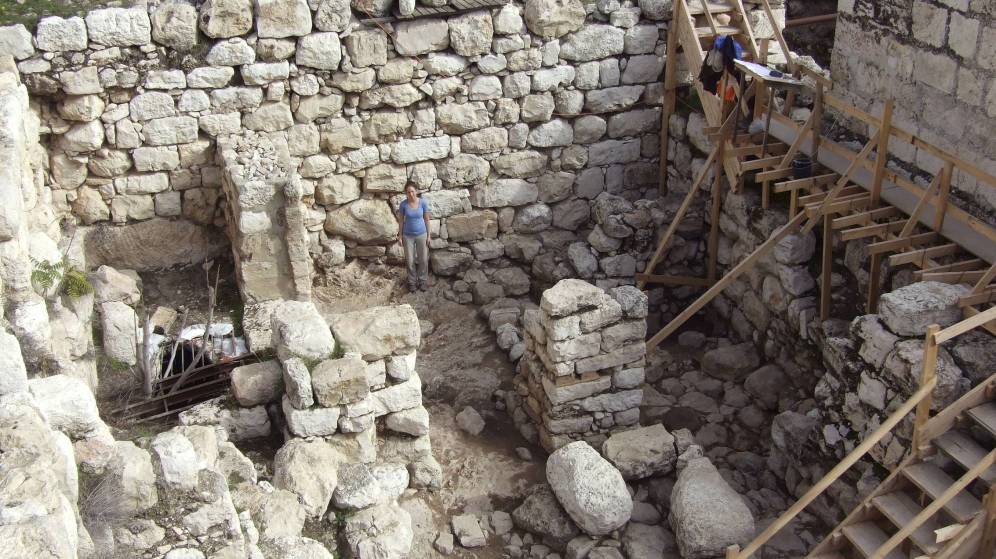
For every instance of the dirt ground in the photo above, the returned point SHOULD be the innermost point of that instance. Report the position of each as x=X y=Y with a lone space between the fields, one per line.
x=460 y=365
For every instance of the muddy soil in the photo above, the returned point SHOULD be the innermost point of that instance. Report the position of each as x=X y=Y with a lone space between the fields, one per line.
x=460 y=365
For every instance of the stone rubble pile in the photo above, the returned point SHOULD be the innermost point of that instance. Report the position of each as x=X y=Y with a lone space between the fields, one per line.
x=582 y=373
x=355 y=430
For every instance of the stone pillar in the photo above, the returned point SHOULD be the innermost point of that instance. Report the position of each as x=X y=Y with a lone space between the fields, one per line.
x=582 y=373
x=265 y=217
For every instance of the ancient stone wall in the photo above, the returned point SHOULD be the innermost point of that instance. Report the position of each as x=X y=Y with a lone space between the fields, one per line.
x=938 y=61
x=581 y=376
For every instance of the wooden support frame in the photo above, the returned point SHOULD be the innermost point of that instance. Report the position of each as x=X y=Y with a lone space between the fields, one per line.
x=952 y=277
x=841 y=182
x=893 y=245
x=872 y=230
x=807 y=183
x=865 y=218
x=921 y=256
x=791 y=227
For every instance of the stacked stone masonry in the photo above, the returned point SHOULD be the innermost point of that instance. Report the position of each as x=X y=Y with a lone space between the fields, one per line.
x=937 y=60
x=581 y=376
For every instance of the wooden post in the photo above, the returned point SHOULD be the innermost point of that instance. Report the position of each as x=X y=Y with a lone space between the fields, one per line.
x=147 y=372
x=988 y=543
x=942 y=196
x=717 y=189
x=882 y=156
x=667 y=109
x=825 y=273
x=874 y=282
x=733 y=552
x=929 y=372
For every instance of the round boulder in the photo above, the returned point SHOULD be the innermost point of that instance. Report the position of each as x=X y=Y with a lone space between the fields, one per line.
x=589 y=488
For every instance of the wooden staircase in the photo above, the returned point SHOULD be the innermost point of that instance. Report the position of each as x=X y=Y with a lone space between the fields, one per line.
x=694 y=28
x=938 y=502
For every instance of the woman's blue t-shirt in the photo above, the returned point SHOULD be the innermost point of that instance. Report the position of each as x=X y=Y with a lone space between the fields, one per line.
x=414 y=222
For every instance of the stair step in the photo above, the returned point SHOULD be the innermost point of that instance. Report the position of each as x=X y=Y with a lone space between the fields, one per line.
x=867 y=538
x=900 y=509
x=720 y=29
x=695 y=7
x=966 y=452
x=985 y=416
x=933 y=481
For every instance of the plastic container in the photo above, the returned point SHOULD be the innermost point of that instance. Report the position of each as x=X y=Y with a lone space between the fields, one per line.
x=802 y=167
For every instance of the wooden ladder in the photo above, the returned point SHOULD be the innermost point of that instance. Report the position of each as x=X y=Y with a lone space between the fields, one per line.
x=930 y=505
x=694 y=27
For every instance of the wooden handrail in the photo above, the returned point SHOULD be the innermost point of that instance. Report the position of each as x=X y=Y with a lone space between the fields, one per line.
x=932 y=509
x=966 y=325
x=838 y=470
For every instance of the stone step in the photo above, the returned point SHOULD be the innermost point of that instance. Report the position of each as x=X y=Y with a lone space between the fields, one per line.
x=985 y=416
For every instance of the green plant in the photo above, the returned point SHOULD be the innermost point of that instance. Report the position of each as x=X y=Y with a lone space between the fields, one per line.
x=70 y=281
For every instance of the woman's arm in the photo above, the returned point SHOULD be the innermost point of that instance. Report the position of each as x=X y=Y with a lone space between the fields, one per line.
x=401 y=224
x=427 y=216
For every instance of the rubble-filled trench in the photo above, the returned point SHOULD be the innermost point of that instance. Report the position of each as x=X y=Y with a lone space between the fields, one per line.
x=235 y=166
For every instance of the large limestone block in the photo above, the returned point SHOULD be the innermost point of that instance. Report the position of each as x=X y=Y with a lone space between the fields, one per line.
x=642 y=452
x=119 y=27
x=589 y=488
x=175 y=460
x=381 y=531
x=111 y=285
x=593 y=42
x=310 y=422
x=554 y=18
x=308 y=469
x=707 y=515
x=399 y=397
x=221 y=19
x=118 y=322
x=16 y=41
x=377 y=332
x=258 y=383
x=56 y=34
x=504 y=192
x=69 y=406
x=731 y=362
x=239 y=423
x=471 y=33
x=905 y=364
x=364 y=221
x=339 y=381
x=164 y=243
x=569 y=296
x=174 y=24
x=321 y=51
x=472 y=226
x=542 y=514
x=332 y=15
x=282 y=18
x=908 y=311
x=128 y=487
x=13 y=374
x=298 y=330
x=422 y=36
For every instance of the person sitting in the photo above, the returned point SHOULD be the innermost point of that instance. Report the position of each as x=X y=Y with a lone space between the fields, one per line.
x=414 y=236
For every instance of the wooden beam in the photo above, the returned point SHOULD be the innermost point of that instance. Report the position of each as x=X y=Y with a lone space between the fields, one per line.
x=874 y=283
x=963 y=266
x=776 y=237
x=676 y=220
x=981 y=298
x=985 y=280
x=988 y=325
x=673 y=280
x=952 y=277
x=753 y=150
x=760 y=164
x=902 y=244
x=844 y=204
x=826 y=268
x=920 y=256
x=942 y=196
x=818 y=197
x=807 y=183
x=778 y=35
x=841 y=182
x=865 y=218
x=873 y=230
x=920 y=206
x=883 y=152
x=774 y=175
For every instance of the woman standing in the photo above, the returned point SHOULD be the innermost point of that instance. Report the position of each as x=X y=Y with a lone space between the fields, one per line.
x=414 y=236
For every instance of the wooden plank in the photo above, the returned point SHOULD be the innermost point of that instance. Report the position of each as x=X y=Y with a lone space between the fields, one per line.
x=747 y=151
x=943 y=195
x=920 y=256
x=883 y=152
x=867 y=537
x=985 y=280
x=873 y=230
x=971 y=312
x=865 y=218
x=841 y=182
x=778 y=35
x=965 y=452
x=920 y=206
x=900 y=509
x=902 y=244
x=807 y=183
x=976 y=320
x=934 y=482
x=826 y=267
x=817 y=197
x=716 y=289
x=974 y=299
x=777 y=174
x=949 y=416
x=673 y=280
x=759 y=164
x=874 y=283
x=708 y=16
x=952 y=277
x=844 y=204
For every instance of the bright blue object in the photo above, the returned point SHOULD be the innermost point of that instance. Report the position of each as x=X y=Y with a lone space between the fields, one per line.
x=414 y=221
x=737 y=49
